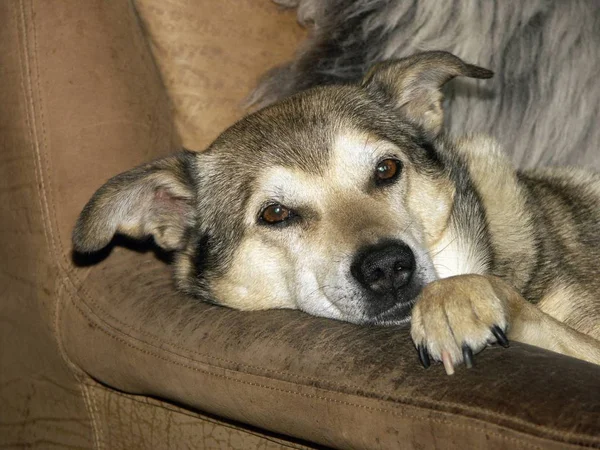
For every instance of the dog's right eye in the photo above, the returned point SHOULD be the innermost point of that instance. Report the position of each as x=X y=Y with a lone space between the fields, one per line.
x=275 y=213
x=387 y=171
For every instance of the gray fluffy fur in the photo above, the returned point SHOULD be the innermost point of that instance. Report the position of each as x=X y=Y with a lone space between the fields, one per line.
x=543 y=104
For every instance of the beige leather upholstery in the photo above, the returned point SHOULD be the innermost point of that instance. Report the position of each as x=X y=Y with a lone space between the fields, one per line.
x=210 y=55
x=102 y=353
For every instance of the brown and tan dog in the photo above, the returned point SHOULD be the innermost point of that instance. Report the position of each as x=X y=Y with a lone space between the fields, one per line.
x=350 y=202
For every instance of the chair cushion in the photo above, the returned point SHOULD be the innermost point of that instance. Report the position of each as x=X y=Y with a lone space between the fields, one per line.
x=211 y=54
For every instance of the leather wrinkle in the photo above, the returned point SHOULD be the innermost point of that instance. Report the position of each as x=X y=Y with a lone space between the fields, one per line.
x=448 y=422
x=201 y=417
x=92 y=408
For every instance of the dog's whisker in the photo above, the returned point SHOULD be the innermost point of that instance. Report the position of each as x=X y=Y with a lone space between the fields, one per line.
x=407 y=227
x=433 y=255
x=441 y=266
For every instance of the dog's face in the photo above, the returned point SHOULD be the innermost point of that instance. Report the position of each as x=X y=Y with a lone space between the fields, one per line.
x=330 y=202
x=329 y=210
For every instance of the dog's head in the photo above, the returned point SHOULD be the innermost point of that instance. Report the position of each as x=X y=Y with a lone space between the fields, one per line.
x=329 y=202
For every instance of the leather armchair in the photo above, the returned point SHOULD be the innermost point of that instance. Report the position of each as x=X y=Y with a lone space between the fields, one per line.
x=101 y=352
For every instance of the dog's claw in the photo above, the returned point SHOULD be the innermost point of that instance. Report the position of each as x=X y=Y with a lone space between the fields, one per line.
x=448 y=363
x=467 y=356
x=500 y=336
x=424 y=356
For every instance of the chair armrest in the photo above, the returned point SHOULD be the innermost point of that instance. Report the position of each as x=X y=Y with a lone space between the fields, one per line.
x=320 y=380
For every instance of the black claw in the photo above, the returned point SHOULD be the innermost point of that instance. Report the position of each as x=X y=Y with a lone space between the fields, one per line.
x=500 y=336
x=423 y=356
x=467 y=356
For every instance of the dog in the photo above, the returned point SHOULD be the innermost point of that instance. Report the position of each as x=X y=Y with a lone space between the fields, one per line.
x=543 y=101
x=352 y=202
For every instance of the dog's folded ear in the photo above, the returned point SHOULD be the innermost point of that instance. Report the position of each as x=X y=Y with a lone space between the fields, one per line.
x=156 y=199
x=413 y=84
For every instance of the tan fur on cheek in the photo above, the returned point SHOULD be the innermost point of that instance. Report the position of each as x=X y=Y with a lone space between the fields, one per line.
x=430 y=202
x=258 y=278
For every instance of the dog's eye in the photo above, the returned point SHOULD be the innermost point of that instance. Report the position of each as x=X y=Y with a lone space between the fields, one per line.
x=275 y=213
x=387 y=170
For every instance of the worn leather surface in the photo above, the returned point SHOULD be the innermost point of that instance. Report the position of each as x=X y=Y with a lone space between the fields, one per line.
x=129 y=422
x=82 y=99
x=41 y=404
x=330 y=382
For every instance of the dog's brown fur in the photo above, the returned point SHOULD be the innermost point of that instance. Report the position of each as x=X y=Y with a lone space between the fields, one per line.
x=493 y=249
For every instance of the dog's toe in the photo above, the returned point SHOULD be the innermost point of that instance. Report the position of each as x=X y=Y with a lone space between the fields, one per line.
x=456 y=318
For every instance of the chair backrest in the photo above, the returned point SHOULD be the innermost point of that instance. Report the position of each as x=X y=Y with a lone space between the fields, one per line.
x=82 y=99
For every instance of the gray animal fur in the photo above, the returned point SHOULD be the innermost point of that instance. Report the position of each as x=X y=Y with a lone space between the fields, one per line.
x=543 y=104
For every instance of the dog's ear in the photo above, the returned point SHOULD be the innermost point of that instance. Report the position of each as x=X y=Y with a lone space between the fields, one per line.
x=155 y=199
x=413 y=84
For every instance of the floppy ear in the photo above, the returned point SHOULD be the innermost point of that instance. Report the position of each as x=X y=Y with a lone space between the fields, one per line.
x=414 y=84
x=156 y=199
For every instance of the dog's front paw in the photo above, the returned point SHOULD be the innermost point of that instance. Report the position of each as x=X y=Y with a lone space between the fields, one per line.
x=457 y=317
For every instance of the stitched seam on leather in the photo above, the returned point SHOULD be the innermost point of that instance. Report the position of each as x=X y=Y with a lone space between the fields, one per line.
x=88 y=398
x=90 y=404
x=398 y=401
x=197 y=416
x=560 y=437
x=332 y=400
x=48 y=209
x=29 y=110
x=96 y=411
x=398 y=414
x=413 y=401
x=407 y=400
x=31 y=124
x=42 y=151
x=257 y=368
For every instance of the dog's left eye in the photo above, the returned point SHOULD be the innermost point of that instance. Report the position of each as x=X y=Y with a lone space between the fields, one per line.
x=387 y=171
x=275 y=213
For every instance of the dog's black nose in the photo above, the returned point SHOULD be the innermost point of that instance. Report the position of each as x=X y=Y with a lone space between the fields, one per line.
x=384 y=268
